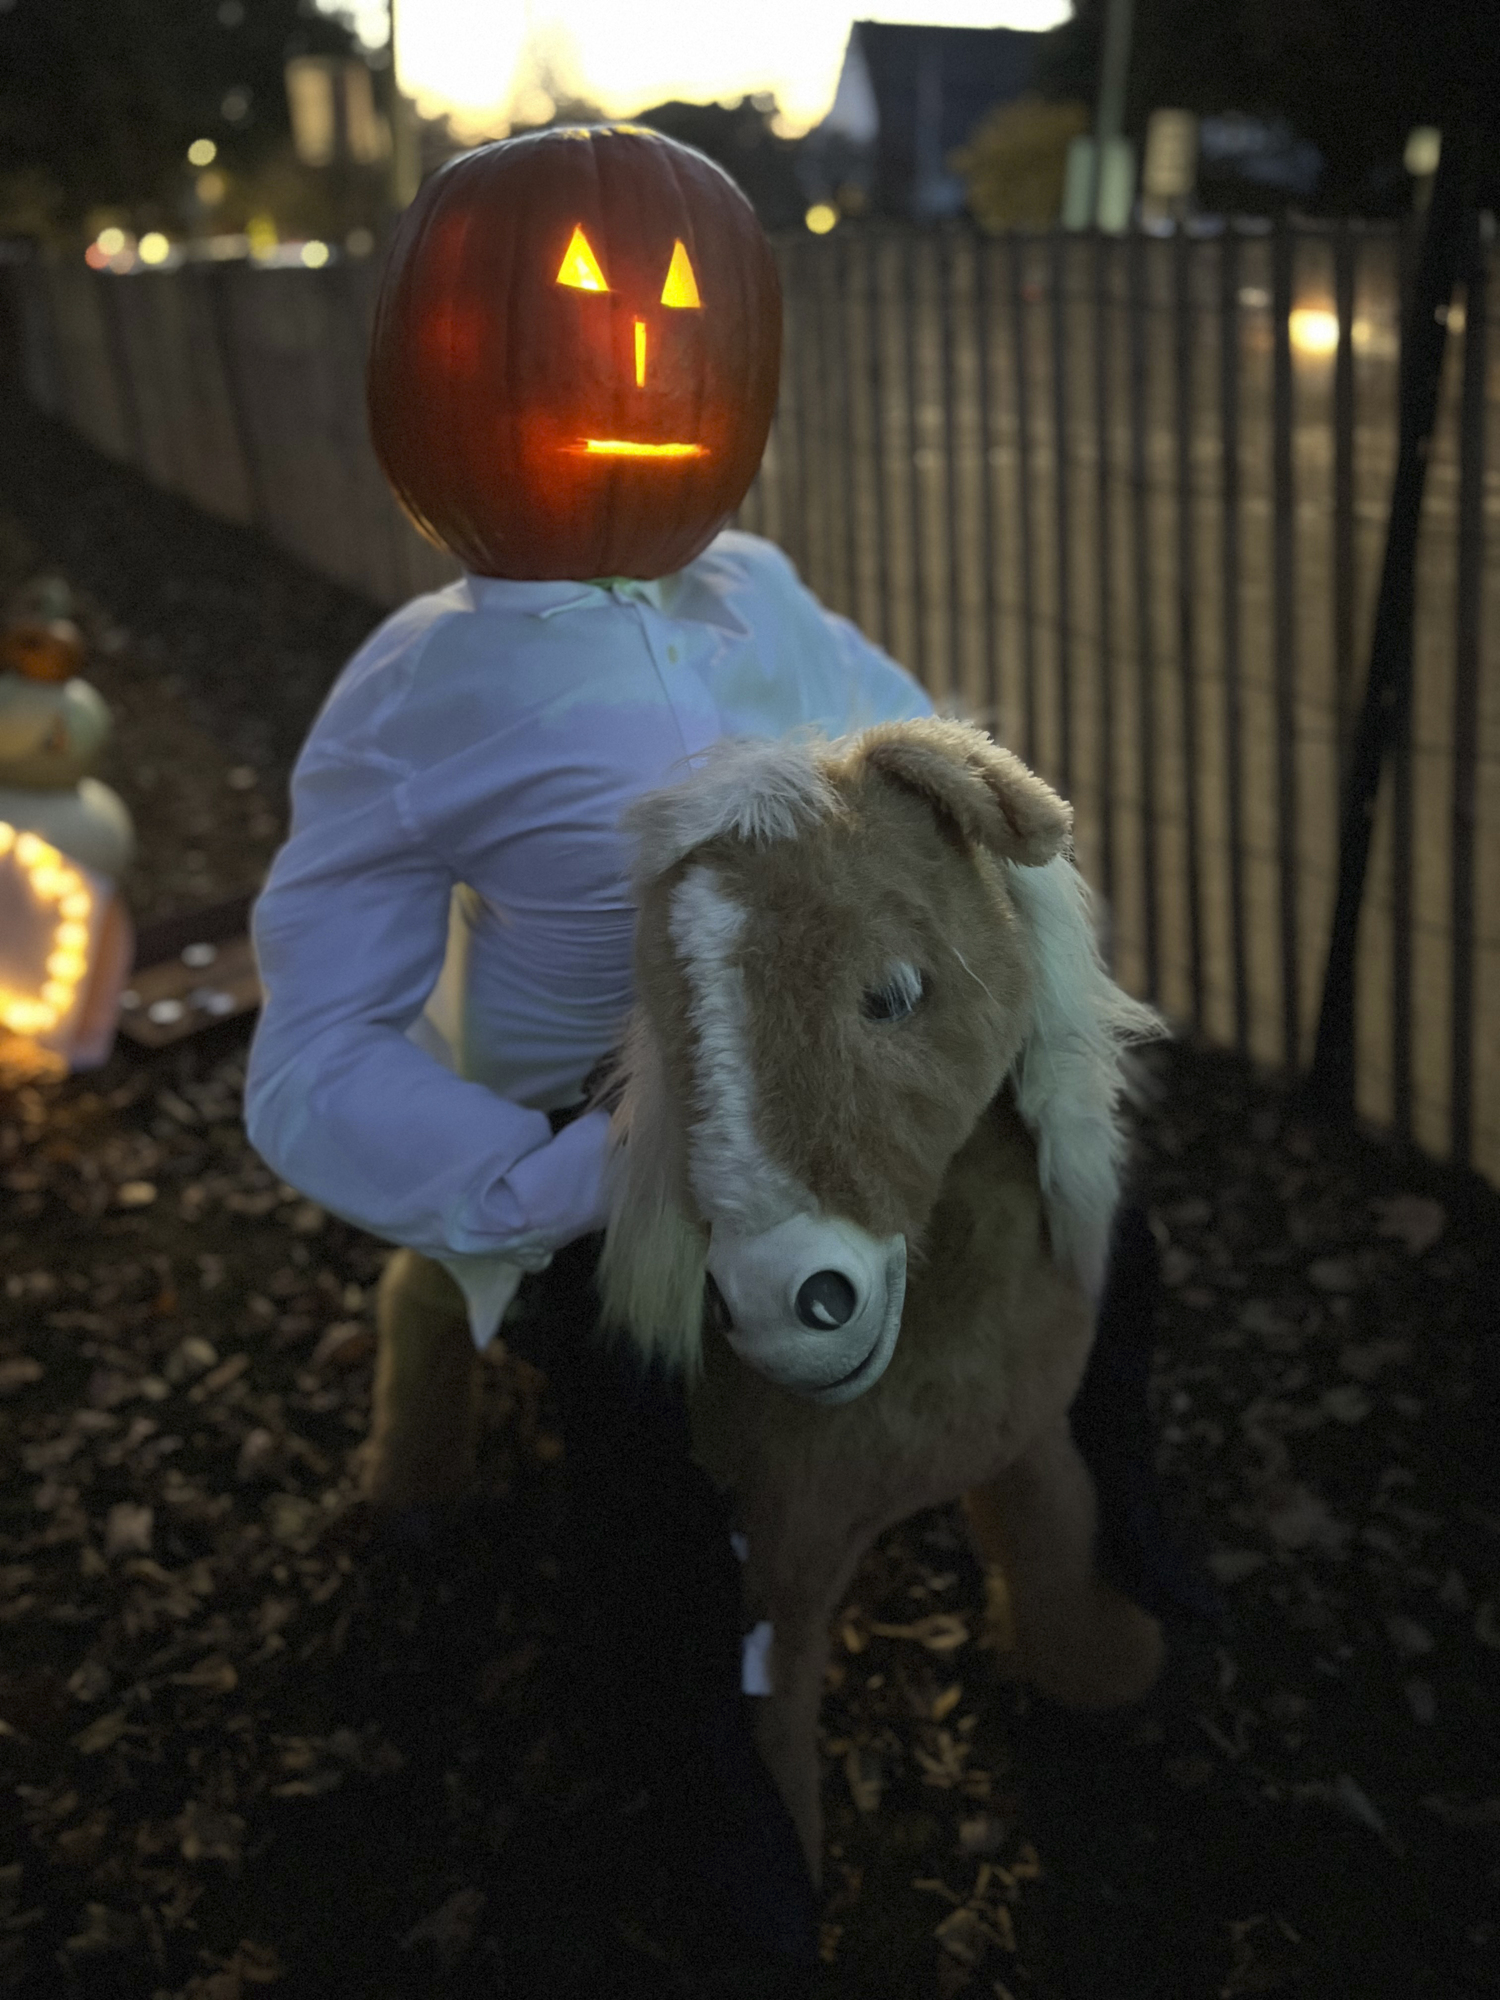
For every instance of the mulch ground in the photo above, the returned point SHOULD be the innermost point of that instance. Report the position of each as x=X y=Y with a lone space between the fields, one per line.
x=249 y=1747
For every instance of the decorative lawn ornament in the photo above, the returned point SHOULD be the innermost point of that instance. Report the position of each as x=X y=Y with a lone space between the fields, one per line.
x=65 y=939
x=575 y=355
x=869 y=1161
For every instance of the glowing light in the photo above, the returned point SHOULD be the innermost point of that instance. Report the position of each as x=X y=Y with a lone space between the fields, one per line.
x=315 y=255
x=261 y=230
x=212 y=188
x=1313 y=330
x=154 y=247
x=110 y=241
x=1424 y=148
x=580 y=267
x=681 y=288
x=640 y=354
x=625 y=448
x=95 y=258
x=202 y=153
x=821 y=217
x=50 y=880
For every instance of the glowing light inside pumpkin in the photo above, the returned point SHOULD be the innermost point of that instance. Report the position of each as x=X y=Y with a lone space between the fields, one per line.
x=625 y=448
x=51 y=880
x=640 y=354
x=681 y=288
x=580 y=267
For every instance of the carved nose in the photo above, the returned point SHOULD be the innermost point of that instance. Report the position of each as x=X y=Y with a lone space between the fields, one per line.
x=826 y=1299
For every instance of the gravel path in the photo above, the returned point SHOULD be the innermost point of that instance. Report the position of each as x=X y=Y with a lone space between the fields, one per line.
x=248 y=1749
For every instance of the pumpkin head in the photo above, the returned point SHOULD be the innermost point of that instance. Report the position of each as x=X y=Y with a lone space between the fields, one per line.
x=575 y=354
x=43 y=649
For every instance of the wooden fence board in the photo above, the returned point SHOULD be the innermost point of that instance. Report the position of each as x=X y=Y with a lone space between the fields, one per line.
x=1092 y=492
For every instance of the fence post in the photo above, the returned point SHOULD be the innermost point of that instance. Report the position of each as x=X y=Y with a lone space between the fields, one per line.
x=1471 y=538
x=1329 y=1087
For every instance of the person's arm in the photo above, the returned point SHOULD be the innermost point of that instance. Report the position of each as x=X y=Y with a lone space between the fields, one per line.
x=350 y=933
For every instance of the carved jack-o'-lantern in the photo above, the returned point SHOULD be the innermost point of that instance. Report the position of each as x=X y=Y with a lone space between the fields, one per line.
x=575 y=355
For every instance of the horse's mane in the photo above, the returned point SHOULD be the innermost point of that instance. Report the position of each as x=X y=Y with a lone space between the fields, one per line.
x=1069 y=1079
x=1072 y=1072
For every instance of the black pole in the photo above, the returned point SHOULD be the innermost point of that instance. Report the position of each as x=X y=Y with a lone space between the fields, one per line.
x=1329 y=1087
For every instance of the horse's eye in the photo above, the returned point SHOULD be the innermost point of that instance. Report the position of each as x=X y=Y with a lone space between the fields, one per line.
x=894 y=1000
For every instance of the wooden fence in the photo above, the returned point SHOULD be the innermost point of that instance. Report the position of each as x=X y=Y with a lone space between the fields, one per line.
x=1122 y=499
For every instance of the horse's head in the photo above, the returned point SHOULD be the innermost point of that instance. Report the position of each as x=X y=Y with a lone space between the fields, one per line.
x=841 y=951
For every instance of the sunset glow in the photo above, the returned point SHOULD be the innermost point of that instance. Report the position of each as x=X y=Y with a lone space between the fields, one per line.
x=487 y=66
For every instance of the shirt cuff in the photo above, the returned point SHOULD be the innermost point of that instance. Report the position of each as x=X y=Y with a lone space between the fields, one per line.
x=553 y=1195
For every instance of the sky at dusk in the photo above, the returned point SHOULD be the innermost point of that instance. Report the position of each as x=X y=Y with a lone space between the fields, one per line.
x=475 y=59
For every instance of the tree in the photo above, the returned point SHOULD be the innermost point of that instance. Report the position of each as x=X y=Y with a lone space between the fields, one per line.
x=100 y=99
x=1016 y=160
x=1351 y=76
x=739 y=138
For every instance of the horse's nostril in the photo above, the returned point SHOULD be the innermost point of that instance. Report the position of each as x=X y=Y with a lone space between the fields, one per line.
x=826 y=1299
x=716 y=1310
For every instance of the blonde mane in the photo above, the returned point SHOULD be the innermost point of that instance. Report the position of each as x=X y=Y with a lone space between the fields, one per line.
x=1071 y=1075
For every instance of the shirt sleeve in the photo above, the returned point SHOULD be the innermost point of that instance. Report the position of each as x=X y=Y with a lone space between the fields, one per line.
x=881 y=688
x=350 y=933
x=865 y=686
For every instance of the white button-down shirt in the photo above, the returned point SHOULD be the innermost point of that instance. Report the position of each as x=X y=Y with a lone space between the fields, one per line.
x=445 y=939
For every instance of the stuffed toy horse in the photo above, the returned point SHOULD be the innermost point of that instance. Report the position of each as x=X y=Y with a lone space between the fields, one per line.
x=868 y=1156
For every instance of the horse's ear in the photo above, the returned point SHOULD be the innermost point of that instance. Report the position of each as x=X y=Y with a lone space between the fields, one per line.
x=985 y=792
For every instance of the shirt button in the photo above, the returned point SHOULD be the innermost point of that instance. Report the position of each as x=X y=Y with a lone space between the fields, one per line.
x=674 y=653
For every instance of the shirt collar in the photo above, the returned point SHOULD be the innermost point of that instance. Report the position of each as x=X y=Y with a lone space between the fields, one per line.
x=549 y=600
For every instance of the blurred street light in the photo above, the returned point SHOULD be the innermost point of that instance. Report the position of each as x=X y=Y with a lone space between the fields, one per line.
x=202 y=153
x=154 y=248
x=821 y=217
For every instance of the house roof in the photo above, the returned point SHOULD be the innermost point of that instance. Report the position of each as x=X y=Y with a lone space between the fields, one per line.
x=915 y=93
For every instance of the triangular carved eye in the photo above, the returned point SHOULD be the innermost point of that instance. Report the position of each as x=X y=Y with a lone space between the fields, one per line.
x=580 y=267
x=681 y=288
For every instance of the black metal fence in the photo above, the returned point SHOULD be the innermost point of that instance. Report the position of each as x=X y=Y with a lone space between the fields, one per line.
x=1123 y=499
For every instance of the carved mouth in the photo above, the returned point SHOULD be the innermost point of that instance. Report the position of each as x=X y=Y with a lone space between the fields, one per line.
x=627 y=448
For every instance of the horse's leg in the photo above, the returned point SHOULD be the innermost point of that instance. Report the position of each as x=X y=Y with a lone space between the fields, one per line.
x=804 y=1584
x=426 y=1400
x=1081 y=1641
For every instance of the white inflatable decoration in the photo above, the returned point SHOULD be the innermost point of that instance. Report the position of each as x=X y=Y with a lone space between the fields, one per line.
x=65 y=840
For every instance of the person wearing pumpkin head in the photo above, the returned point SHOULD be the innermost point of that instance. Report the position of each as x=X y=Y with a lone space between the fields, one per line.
x=573 y=368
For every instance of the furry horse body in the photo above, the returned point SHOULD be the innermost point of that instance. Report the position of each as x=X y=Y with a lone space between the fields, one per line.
x=871 y=1013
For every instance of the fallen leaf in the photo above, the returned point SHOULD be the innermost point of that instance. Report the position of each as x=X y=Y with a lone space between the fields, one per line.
x=450 y=1927
x=127 y=1529
x=209 y=1834
x=215 y=1673
x=1333 y=1274
x=1415 y=1219
x=101 y=1734
x=1408 y=1637
x=1421 y=1698
x=17 y=1372
x=1231 y=1566
x=104 y=1930
x=942 y=1632
x=866 y=1776
x=345 y=1344
x=1348 y=1403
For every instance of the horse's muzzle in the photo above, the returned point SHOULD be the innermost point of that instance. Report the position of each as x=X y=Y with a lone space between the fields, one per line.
x=813 y=1304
